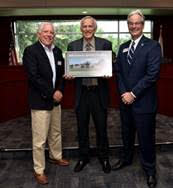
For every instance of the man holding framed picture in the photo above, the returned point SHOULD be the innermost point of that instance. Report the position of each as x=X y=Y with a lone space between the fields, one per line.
x=92 y=96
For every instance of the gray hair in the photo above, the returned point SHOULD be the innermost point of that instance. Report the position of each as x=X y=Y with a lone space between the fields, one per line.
x=42 y=24
x=88 y=17
x=138 y=12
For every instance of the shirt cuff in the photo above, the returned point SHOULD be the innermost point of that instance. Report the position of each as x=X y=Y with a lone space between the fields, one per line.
x=133 y=94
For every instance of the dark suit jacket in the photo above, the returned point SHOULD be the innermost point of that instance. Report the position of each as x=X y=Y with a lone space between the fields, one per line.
x=40 y=75
x=100 y=44
x=141 y=76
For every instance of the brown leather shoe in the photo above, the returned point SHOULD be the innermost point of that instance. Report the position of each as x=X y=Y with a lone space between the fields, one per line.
x=60 y=162
x=41 y=178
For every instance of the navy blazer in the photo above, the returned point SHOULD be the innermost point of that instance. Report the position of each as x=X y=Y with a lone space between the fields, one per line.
x=40 y=75
x=100 y=44
x=141 y=76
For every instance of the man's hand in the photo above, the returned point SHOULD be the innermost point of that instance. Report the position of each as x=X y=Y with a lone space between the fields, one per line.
x=57 y=96
x=68 y=77
x=127 y=98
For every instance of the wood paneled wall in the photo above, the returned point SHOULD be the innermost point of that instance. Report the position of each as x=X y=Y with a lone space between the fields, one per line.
x=13 y=92
x=165 y=89
x=4 y=45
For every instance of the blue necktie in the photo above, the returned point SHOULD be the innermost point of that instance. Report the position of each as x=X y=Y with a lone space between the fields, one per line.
x=131 y=54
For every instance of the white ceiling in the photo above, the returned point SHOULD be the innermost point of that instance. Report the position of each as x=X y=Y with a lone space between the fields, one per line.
x=79 y=11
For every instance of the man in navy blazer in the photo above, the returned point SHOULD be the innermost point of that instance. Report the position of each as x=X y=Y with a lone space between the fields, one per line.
x=44 y=65
x=137 y=68
x=92 y=96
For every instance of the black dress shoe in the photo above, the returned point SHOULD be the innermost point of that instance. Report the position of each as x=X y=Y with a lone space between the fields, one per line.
x=151 y=181
x=80 y=165
x=120 y=164
x=106 y=166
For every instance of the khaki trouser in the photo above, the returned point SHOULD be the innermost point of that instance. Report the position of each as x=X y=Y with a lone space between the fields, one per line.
x=46 y=125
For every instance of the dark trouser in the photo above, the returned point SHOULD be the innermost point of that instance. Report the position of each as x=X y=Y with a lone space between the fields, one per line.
x=90 y=104
x=145 y=126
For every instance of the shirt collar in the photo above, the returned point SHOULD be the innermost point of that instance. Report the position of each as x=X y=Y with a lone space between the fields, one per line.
x=46 y=48
x=137 y=40
x=92 y=42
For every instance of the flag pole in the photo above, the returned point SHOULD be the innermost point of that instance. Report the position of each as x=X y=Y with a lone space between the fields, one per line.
x=161 y=40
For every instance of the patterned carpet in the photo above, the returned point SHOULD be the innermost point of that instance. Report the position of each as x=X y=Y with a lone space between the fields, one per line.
x=16 y=133
x=18 y=173
x=16 y=168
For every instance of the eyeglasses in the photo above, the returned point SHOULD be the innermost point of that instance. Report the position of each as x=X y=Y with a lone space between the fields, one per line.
x=135 y=23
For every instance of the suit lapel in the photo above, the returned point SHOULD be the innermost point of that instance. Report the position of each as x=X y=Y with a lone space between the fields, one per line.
x=80 y=45
x=126 y=48
x=125 y=52
x=43 y=53
x=140 y=45
x=97 y=44
x=55 y=54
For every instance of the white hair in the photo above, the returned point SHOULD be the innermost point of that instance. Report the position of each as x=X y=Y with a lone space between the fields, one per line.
x=42 y=24
x=138 y=12
x=88 y=17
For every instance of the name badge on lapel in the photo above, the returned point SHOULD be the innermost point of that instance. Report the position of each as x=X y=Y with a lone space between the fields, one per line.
x=59 y=63
x=125 y=50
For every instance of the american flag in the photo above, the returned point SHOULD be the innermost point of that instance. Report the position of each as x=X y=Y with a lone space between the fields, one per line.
x=12 y=51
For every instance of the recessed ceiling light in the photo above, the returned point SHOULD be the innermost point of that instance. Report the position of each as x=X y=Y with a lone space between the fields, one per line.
x=84 y=12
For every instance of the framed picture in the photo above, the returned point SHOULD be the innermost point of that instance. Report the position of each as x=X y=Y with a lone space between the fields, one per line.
x=88 y=63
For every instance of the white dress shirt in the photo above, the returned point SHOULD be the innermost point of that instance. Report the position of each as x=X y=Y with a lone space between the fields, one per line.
x=50 y=55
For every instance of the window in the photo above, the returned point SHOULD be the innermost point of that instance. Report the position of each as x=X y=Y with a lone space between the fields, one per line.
x=68 y=30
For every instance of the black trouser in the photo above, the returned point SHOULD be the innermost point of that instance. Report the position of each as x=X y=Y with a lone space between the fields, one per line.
x=145 y=126
x=90 y=104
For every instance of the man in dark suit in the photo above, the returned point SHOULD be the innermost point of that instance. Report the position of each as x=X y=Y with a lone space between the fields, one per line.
x=92 y=96
x=137 y=66
x=44 y=65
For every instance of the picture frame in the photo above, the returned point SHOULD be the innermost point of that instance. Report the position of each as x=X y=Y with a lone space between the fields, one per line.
x=88 y=63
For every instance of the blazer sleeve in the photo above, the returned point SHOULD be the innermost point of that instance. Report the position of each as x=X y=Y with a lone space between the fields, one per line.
x=60 y=81
x=152 y=71
x=70 y=47
x=118 y=72
x=108 y=45
x=30 y=62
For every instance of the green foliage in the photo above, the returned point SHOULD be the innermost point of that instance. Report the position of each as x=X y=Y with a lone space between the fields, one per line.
x=66 y=31
x=25 y=35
